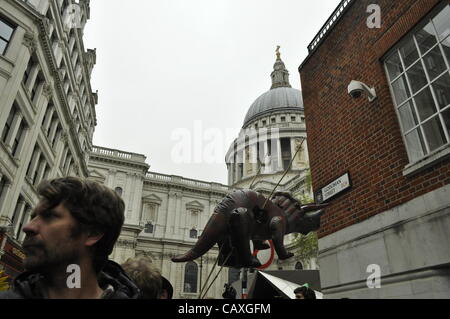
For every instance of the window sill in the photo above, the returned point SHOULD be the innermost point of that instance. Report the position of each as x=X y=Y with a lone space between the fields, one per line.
x=429 y=160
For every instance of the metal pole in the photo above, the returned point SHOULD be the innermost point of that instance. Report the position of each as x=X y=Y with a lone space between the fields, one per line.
x=244 y=284
x=201 y=272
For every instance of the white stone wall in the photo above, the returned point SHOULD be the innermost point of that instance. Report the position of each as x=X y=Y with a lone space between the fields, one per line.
x=409 y=243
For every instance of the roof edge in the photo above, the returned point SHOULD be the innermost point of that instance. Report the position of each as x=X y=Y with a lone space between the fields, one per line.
x=326 y=29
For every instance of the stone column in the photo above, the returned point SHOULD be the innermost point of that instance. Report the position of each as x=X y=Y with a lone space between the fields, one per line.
x=170 y=220
x=178 y=213
x=32 y=77
x=111 y=178
x=41 y=171
x=52 y=132
x=280 y=157
x=27 y=216
x=65 y=150
x=14 y=129
x=254 y=158
x=4 y=218
x=18 y=213
x=34 y=162
x=48 y=120
x=266 y=158
x=22 y=142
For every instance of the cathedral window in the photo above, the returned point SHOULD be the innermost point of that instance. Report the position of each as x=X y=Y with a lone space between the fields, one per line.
x=286 y=152
x=298 y=266
x=190 y=277
x=4 y=182
x=149 y=228
x=193 y=233
x=119 y=191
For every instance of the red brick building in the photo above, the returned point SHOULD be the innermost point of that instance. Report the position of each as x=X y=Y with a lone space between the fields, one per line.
x=383 y=165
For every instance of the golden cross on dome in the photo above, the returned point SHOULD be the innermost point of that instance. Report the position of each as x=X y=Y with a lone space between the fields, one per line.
x=278 y=52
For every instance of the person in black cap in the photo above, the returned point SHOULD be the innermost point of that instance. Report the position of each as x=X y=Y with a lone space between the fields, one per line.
x=304 y=292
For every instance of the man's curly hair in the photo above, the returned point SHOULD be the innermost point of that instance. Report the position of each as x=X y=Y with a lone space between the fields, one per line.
x=98 y=210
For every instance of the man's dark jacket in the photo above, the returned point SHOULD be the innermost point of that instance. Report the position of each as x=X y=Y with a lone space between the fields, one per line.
x=29 y=285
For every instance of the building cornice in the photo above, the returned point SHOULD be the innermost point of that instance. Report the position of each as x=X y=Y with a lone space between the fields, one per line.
x=327 y=28
x=186 y=184
x=272 y=112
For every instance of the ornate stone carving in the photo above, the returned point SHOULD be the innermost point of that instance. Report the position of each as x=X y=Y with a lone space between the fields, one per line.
x=61 y=44
x=61 y=72
x=29 y=40
x=46 y=22
x=47 y=90
x=65 y=137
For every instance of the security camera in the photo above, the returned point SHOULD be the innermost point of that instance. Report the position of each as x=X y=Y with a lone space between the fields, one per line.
x=357 y=88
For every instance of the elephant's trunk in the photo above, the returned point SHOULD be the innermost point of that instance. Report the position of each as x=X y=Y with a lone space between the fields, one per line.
x=213 y=232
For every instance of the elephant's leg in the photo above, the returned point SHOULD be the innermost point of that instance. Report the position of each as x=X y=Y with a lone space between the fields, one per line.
x=239 y=225
x=277 y=229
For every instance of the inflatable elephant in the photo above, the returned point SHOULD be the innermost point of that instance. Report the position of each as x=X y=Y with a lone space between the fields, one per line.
x=240 y=217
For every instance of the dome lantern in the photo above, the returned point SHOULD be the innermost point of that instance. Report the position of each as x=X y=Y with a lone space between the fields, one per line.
x=280 y=75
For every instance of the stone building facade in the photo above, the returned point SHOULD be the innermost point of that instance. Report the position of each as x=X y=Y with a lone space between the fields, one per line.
x=47 y=108
x=164 y=217
x=396 y=213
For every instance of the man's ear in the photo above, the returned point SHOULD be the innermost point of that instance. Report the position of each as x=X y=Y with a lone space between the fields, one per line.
x=92 y=239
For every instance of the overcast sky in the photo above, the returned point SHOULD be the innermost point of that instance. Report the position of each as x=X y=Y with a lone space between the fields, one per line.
x=167 y=67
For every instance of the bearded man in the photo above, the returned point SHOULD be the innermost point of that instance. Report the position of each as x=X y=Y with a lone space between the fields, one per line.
x=71 y=233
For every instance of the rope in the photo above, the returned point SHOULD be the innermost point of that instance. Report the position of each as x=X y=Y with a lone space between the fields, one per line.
x=218 y=273
x=285 y=172
x=210 y=273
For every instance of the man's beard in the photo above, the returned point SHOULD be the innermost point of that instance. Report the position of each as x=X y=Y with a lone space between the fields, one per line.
x=44 y=259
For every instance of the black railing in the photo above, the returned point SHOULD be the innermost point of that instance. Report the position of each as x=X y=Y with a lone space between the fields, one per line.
x=328 y=26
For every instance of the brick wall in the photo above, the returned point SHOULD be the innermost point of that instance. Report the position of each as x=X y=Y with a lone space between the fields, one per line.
x=353 y=135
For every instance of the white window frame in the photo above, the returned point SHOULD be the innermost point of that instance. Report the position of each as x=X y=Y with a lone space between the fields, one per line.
x=431 y=156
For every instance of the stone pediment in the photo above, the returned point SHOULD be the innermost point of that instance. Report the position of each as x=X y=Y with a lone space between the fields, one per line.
x=195 y=205
x=152 y=198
